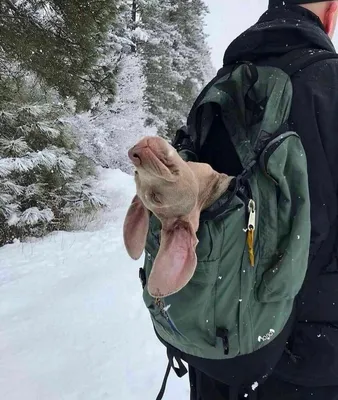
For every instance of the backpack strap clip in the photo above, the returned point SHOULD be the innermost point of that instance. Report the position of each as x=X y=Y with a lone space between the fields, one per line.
x=247 y=171
x=142 y=276
x=224 y=335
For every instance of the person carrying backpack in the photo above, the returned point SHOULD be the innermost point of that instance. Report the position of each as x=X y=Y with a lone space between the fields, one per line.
x=259 y=318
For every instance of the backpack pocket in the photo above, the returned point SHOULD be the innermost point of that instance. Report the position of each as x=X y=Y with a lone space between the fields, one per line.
x=187 y=320
x=281 y=273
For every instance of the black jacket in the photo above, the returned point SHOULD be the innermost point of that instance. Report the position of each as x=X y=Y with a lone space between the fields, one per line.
x=312 y=355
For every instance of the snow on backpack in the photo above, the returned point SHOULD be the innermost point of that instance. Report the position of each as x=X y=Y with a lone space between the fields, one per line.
x=254 y=241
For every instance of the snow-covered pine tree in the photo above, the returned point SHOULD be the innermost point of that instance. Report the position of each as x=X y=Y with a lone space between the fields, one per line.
x=43 y=178
x=108 y=131
x=192 y=60
x=51 y=52
x=175 y=56
x=160 y=68
x=62 y=42
x=158 y=52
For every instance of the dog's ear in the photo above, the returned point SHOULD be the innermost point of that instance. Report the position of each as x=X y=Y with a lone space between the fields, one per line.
x=176 y=260
x=135 y=229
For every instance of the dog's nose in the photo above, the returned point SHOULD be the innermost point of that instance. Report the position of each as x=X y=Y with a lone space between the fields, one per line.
x=135 y=156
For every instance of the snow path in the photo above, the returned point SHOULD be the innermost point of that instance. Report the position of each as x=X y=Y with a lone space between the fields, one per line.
x=72 y=321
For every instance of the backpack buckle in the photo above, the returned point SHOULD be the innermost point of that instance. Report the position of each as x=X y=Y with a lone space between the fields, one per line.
x=248 y=171
x=224 y=335
x=142 y=276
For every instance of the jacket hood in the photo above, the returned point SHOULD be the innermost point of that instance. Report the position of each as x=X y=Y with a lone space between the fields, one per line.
x=278 y=31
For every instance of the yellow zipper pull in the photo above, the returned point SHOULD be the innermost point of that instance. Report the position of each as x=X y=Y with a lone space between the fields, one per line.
x=251 y=231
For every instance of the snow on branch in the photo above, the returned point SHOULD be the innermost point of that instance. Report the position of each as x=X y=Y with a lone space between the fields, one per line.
x=14 y=147
x=48 y=130
x=5 y=166
x=33 y=216
x=48 y=158
x=6 y=206
x=11 y=187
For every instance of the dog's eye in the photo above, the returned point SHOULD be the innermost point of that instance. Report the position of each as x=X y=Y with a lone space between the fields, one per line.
x=155 y=198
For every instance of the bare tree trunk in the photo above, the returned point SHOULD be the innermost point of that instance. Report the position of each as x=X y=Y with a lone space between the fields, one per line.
x=134 y=11
x=133 y=18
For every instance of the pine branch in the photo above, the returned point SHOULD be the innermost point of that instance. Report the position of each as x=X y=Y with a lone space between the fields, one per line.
x=25 y=17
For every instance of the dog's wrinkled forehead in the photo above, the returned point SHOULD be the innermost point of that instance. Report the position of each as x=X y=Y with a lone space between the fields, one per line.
x=161 y=147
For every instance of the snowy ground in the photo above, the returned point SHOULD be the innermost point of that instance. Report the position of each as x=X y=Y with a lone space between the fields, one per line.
x=72 y=322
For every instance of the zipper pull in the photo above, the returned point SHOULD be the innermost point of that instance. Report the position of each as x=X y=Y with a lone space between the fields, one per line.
x=252 y=215
x=251 y=231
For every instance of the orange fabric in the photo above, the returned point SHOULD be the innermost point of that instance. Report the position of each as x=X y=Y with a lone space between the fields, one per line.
x=250 y=241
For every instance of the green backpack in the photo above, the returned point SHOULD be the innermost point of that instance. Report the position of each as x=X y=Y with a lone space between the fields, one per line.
x=254 y=241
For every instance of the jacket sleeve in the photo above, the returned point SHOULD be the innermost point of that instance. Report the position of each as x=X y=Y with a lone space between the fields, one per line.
x=314 y=116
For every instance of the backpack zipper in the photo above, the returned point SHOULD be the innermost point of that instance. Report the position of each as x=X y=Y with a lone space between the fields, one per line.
x=251 y=231
x=164 y=312
x=246 y=194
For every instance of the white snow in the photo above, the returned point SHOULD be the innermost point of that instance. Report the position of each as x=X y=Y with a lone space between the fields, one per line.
x=73 y=324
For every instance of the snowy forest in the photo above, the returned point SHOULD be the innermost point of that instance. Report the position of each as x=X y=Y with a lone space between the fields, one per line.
x=80 y=82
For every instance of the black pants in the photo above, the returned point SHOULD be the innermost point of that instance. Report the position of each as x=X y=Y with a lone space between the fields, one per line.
x=205 y=388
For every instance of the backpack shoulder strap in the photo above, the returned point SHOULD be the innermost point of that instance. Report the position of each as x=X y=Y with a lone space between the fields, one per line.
x=299 y=59
x=292 y=62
